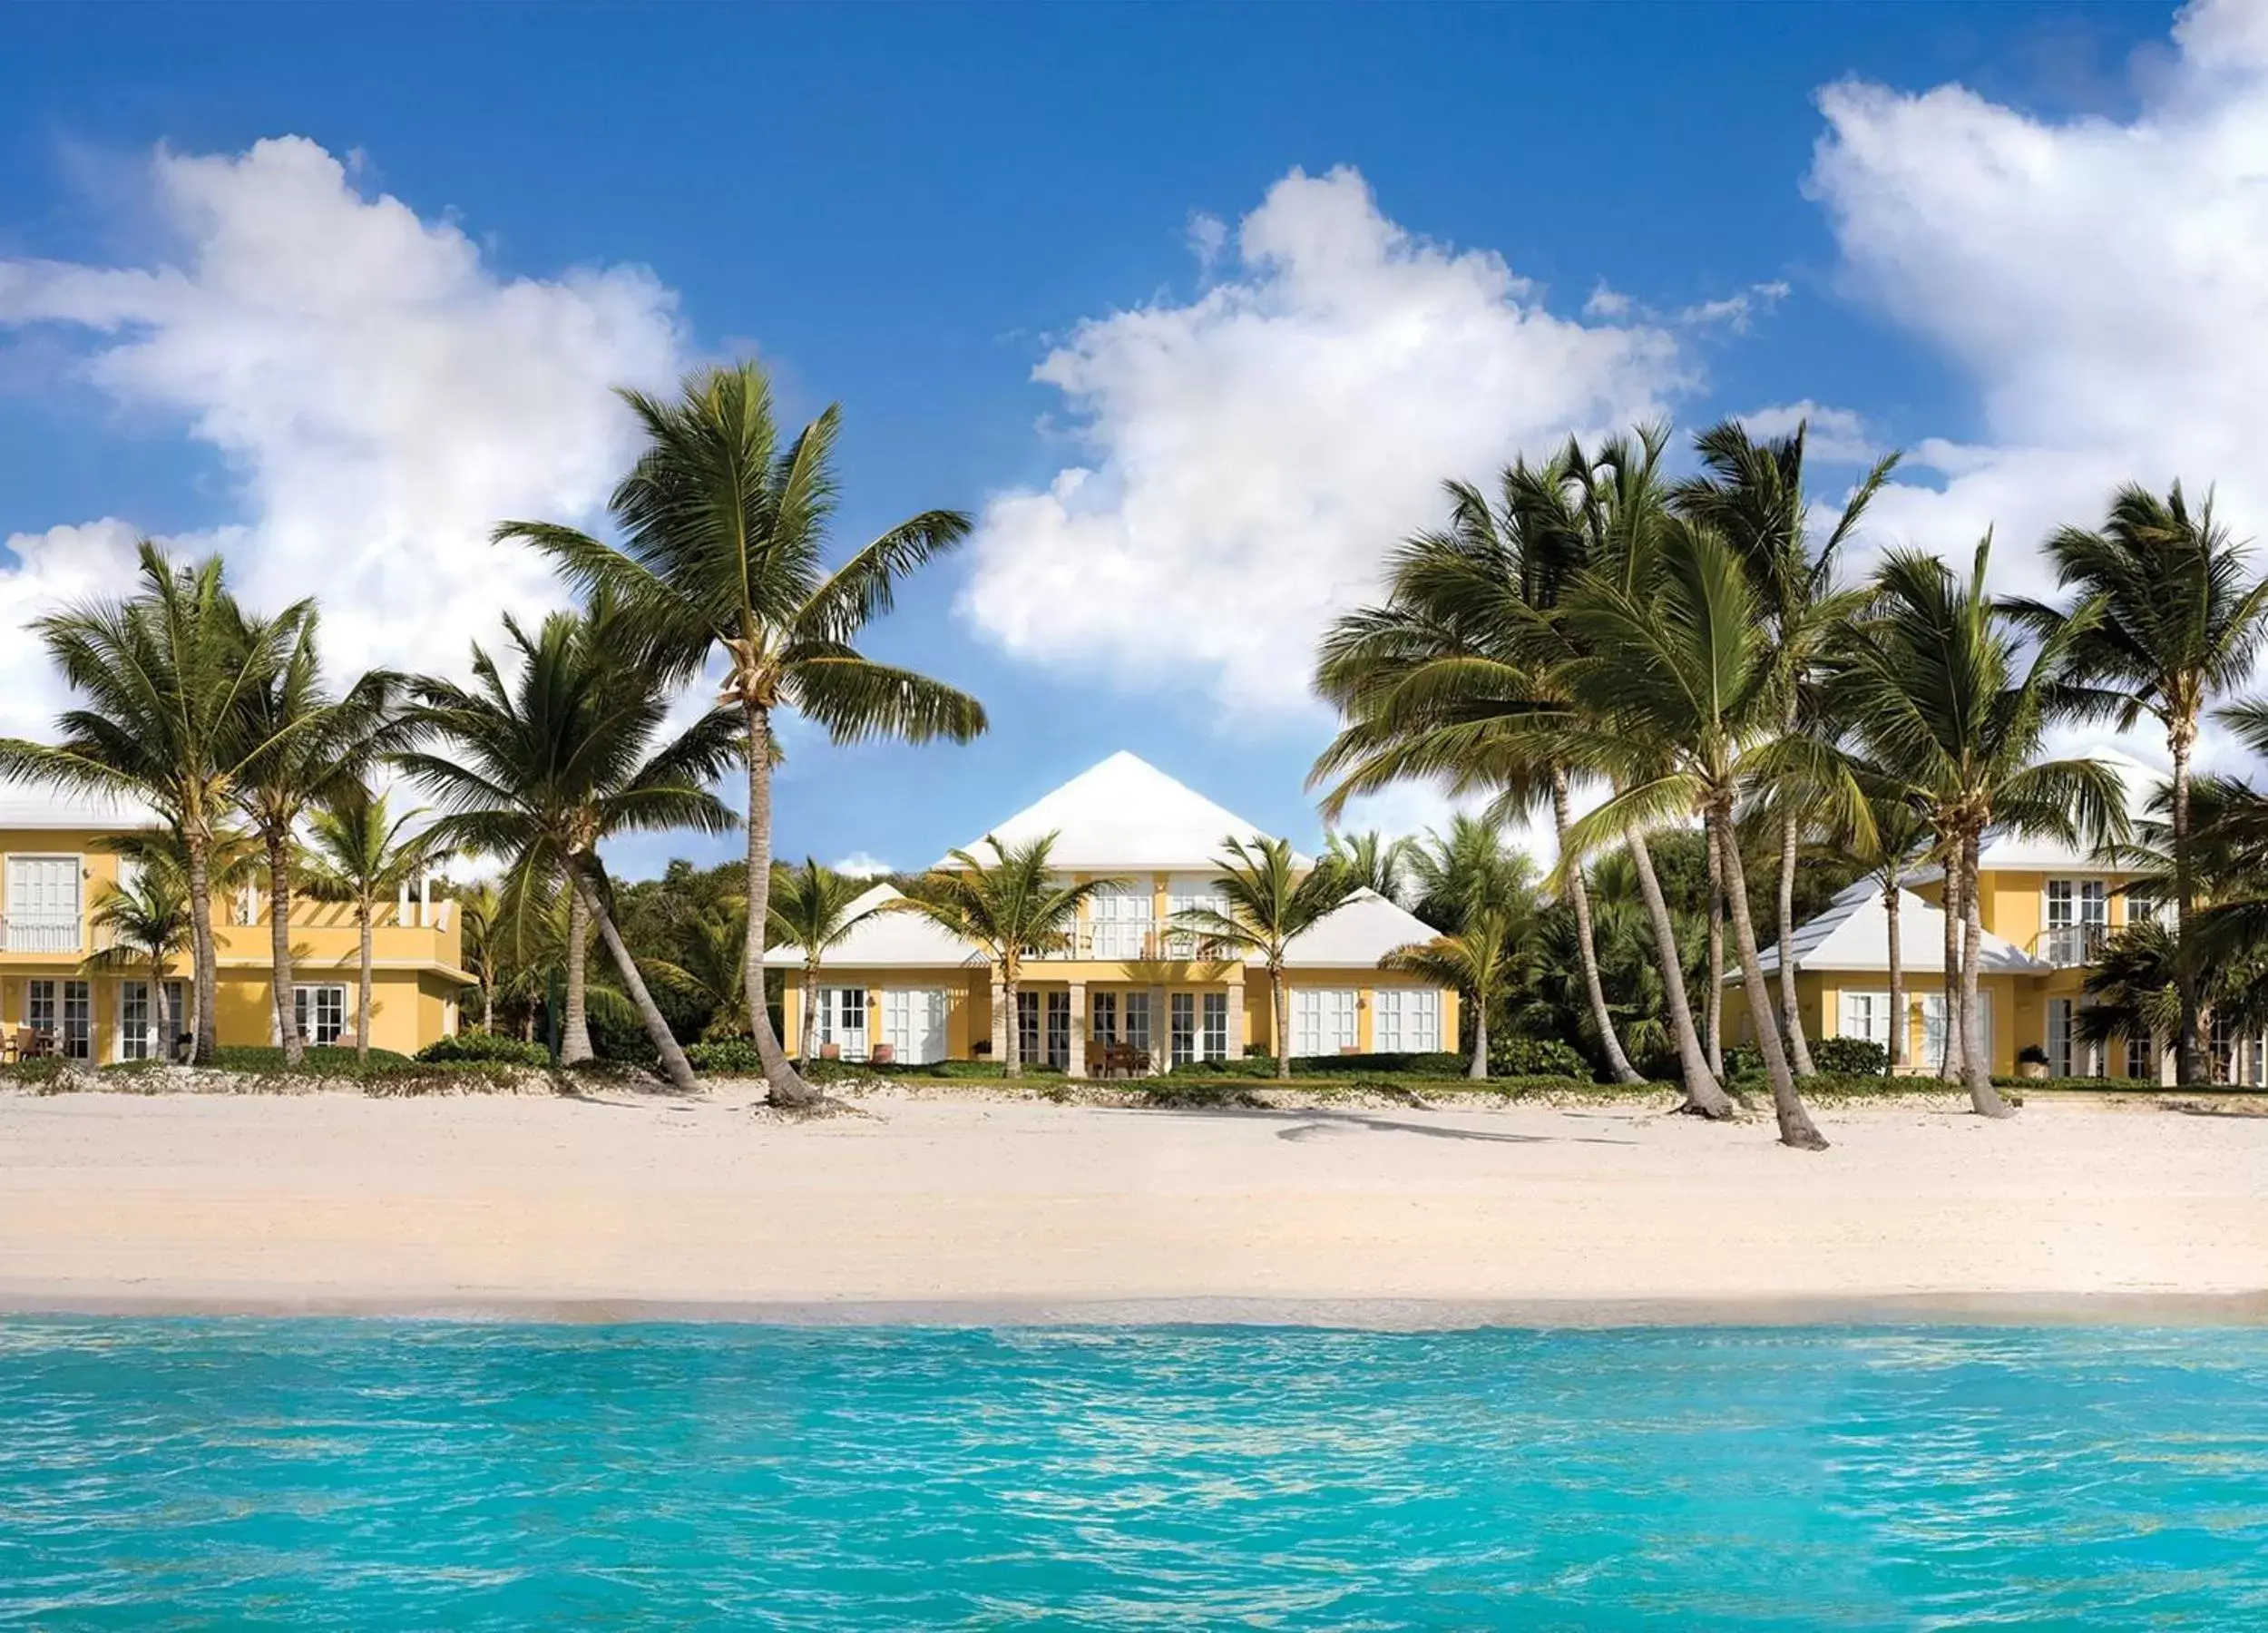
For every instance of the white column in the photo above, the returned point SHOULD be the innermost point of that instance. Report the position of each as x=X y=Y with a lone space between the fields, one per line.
x=1075 y=1066
x=1160 y=1036
x=1236 y=1018
x=401 y=905
x=425 y=900
x=1001 y=1021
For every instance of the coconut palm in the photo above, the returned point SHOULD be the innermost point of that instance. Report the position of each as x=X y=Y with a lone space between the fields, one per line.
x=480 y=939
x=2171 y=615
x=814 y=909
x=1270 y=900
x=724 y=535
x=359 y=853
x=1374 y=861
x=316 y=749
x=1009 y=907
x=1676 y=667
x=543 y=768
x=1928 y=683
x=1894 y=836
x=706 y=945
x=146 y=915
x=1450 y=679
x=1479 y=959
x=1752 y=494
x=161 y=676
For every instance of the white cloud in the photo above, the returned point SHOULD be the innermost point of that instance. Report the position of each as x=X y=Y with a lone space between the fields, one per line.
x=861 y=864
x=1734 y=311
x=1606 y=302
x=2099 y=280
x=381 y=395
x=1252 y=453
x=1832 y=435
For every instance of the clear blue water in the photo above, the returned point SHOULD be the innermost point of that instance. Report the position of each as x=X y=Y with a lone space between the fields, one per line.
x=372 y=1475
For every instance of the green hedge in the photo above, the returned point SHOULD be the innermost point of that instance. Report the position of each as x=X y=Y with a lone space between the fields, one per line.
x=1535 y=1057
x=725 y=1057
x=486 y=1047
x=321 y=1057
x=1850 y=1056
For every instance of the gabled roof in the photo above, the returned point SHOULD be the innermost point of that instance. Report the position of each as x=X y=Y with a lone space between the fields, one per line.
x=888 y=939
x=1124 y=813
x=1853 y=933
x=1365 y=929
x=26 y=806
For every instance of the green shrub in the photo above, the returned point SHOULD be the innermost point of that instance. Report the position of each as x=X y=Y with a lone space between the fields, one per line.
x=1535 y=1057
x=617 y=1035
x=725 y=1056
x=1744 y=1061
x=30 y=1073
x=1850 y=1056
x=486 y=1046
x=322 y=1058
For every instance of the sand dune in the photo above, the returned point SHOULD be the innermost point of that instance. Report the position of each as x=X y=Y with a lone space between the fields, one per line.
x=952 y=1208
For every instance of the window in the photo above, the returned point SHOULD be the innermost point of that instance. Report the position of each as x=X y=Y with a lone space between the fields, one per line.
x=1191 y=894
x=1182 y=1008
x=1136 y=1032
x=1217 y=1026
x=1052 y=1048
x=142 y=1036
x=1119 y=921
x=842 y=1016
x=1866 y=1016
x=2077 y=911
x=2059 y=1037
x=1406 y=1022
x=1104 y=1028
x=1933 y=1038
x=914 y=1024
x=43 y=905
x=72 y=1028
x=1322 y=1020
x=320 y=1012
x=2143 y=910
x=2141 y=1059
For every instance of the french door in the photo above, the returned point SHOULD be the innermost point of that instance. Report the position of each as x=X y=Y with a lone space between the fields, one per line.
x=914 y=1024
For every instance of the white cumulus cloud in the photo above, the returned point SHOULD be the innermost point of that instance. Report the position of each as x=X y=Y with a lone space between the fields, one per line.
x=1831 y=435
x=1248 y=455
x=2099 y=280
x=382 y=396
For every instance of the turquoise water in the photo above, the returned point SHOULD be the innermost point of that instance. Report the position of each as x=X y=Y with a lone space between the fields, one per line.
x=379 y=1476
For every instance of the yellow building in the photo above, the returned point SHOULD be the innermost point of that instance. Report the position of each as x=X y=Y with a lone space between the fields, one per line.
x=2046 y=910
x=901 y=985
x=60 y=975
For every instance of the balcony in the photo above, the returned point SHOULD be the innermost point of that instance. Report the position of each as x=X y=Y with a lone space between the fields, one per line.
x=2069 y=945
x=1136 y=942
x=40 y=933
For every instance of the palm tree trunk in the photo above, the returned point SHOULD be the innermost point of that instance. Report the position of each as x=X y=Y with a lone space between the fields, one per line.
x=1705 y=1096
x=1011 y=1035
x=788 y=1089
x=280 y=948
x=810 y=1028
x=161 y=1026
x=575 y=1035
x=1281 y=994
x=2179 y=739
x=488 y=1007
x=207 y=967
x=1948 y=1041
x=1587 y=949
x=1983 y=1097
x=1895 y=1056
x=1479 y=1069
x=674 y=1065
x=1791 y=1006
x=1796 y=1128
x=362 y=989
x=1713 y=1006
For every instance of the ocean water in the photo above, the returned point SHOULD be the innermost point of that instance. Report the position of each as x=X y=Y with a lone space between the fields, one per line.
x=400 y=1474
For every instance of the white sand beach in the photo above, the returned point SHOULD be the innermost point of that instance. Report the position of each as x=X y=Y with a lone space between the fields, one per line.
x=975 y=1208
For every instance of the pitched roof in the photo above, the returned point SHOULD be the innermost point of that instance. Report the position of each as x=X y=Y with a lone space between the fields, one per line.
x=1365 y=929
x=891 y=940
x=25 y=806
x=1853 y=933
x=2025 y=852
x=1124 y=813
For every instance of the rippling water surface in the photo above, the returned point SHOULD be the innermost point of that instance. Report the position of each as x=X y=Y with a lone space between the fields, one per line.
x=372 y=1475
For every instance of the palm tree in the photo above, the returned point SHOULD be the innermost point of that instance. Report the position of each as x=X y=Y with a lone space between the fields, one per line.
x=724 y=533
x=147 y=914
x=1270 y=903
x=1927 y=679
x=481 y=936
x=357 y=853
x=2171 y=615
x=811 y=908
x=316 y=749
x=1468 y=871
x=544 y=766
x=1009 y=908
x=1752 y=494
x=1895 y=834
x=708 y=945
x=161 y=676
x=1374 y=862
x=1678 y=667
x=1478 y=959
x=1451 y=678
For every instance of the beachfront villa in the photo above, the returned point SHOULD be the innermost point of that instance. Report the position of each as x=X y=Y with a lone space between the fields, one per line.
x=65 y=990
x=2047 y=907
x=1128 y=992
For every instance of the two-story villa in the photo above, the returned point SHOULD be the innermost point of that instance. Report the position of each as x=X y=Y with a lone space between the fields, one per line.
x=56 y=980
x=1126 y=977
x=2046 y=909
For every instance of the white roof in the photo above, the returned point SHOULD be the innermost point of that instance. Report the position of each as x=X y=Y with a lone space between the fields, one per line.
x=1365 y=929
x=1124 y=813
x=893 y=940
x=2023 y=853
x=1853 y=933
x=29 y=806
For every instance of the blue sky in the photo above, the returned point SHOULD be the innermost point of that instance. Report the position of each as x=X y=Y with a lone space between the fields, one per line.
x=1513 y=223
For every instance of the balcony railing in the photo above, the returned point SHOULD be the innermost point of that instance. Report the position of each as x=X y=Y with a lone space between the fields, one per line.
x=1138 y=943
x=39 y=932
x=2066 y=945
